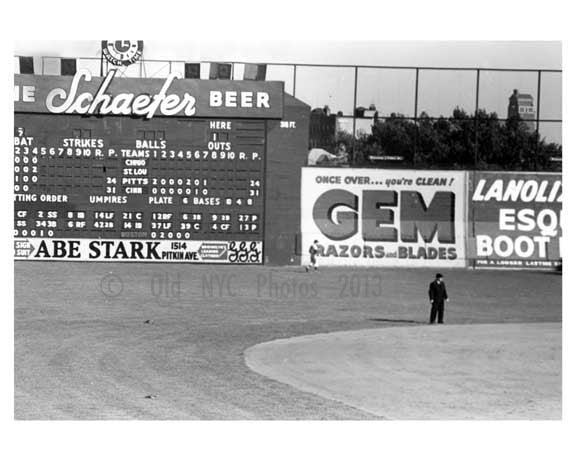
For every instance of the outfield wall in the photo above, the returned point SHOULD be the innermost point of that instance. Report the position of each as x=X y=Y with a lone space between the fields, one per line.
x=415 y=218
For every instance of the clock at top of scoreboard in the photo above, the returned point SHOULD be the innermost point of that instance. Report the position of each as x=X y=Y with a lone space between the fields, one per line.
x=122 y=52
x=120 y=177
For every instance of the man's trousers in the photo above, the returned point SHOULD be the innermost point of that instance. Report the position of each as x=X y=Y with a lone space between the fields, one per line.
x=437 y=310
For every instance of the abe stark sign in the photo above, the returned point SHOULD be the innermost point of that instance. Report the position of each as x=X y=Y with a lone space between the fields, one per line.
x=384 y=218
x=123 y=250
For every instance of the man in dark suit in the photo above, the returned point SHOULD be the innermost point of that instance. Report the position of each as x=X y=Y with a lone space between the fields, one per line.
x=438 y=295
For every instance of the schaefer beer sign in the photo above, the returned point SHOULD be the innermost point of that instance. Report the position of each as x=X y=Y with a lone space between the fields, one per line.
x=515 y=220
x=85 y=95
x=384 y=218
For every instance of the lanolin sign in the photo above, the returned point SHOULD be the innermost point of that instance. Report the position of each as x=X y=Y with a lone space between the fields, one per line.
x=517 y=220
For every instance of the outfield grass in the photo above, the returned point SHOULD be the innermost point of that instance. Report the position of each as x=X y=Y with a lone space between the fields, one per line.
x=84 y=351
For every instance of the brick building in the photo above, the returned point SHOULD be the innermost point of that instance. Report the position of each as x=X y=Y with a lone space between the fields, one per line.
x=522 y=105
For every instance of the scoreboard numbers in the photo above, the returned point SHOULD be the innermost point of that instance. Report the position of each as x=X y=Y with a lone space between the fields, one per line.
x=120 y=188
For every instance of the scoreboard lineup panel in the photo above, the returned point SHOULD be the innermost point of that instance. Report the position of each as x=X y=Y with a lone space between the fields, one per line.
x=129 y=178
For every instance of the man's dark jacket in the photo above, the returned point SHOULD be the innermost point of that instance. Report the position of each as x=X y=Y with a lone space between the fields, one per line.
x=437 y=292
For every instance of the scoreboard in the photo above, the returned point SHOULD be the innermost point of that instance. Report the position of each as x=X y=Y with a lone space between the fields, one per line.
x=99 y=184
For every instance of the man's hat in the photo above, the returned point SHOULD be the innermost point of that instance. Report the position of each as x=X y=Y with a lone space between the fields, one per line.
x=438 y=276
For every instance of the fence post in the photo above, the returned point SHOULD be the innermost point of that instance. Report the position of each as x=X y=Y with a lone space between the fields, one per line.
x=354 y=153
x=416 y=94
x=476 y=119
x=538 y=103
x=538 y=114
x=417 y=130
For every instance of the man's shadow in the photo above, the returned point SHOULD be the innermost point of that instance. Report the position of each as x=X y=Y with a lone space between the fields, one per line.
x=395 y=321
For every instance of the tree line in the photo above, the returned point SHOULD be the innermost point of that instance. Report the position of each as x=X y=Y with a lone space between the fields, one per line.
x=462 y=141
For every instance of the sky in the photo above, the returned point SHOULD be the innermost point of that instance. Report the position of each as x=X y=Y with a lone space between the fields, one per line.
x=500 y=54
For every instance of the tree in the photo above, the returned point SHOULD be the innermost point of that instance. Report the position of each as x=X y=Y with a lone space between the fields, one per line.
x=460 y=141
x=394 y=136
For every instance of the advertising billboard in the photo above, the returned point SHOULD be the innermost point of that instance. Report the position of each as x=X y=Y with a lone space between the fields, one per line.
x=515 y=220
x=84 y=94
x=121 y=250
x=370 y=217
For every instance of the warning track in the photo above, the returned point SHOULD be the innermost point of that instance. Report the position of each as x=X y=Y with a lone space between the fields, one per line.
x=93 y=341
